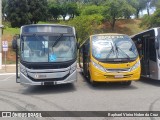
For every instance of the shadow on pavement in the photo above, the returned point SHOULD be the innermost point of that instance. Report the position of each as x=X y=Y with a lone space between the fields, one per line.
x=108 y=85
x=150 y=81
x=56 y=89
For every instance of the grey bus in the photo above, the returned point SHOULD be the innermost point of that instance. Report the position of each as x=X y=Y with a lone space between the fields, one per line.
x=148 y=43
x=46 y=55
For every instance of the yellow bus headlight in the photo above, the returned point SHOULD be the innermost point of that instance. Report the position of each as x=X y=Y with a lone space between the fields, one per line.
x=98 y=66
x=135 y=66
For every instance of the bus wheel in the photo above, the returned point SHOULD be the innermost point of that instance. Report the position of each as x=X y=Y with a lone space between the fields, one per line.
x=93 y=83
x=127 y=83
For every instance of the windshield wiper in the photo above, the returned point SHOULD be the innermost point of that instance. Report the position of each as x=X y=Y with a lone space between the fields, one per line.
x=57 y=40
x=110 y=52
x=117 y=48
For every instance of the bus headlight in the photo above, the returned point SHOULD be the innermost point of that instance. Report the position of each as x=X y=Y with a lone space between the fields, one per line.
x=135 y=66
x=98 y=66
x=23 y=70
x=72 y=69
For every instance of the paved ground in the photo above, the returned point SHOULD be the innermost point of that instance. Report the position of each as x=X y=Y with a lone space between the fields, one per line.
x=143 y=95
x=8 y=69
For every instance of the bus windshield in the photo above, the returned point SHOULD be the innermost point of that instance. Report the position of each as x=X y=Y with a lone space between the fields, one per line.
x=45 y=48
x=105 y=47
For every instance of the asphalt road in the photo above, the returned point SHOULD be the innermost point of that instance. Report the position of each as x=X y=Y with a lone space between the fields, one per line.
x=143 y=95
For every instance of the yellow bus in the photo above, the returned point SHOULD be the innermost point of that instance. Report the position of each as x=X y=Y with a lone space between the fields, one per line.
x=109 y=57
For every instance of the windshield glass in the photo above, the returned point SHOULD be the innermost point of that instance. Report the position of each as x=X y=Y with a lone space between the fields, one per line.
x=112 y=47
x=42 y=48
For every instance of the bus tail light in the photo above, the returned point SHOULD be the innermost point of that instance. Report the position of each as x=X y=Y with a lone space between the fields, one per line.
x=135 y=66
x=98 y=66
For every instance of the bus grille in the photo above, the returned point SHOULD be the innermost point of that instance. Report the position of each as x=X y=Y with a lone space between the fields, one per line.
x=51 y=79
x=118 y=70
x=113 y=76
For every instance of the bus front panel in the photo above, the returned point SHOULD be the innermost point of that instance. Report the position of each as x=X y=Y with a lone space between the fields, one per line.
x=106 y=72
x=114 y=58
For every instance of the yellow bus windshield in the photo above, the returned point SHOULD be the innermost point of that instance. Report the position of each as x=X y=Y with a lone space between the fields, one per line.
x=105 y=47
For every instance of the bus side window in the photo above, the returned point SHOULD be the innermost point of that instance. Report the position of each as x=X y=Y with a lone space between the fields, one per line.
x=152 y=50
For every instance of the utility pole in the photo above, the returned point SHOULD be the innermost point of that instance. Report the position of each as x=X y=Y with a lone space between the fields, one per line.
x=1 y=34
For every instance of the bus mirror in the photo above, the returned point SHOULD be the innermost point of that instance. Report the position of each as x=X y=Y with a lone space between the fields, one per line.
x=156 y=44
x=14 y=41
x=17 y=36
x=78 y=46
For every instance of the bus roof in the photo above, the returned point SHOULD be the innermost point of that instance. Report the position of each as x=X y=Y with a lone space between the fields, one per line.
x=155 y=28
x=108 y=34
x=53 y=28
x=46 y=25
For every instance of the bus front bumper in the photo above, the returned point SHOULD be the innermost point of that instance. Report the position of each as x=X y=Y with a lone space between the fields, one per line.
x=24 y=80
x=115 y=77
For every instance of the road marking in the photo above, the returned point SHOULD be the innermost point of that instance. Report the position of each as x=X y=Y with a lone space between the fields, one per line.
x=9 y=65
x=7 y=78
x=7 y=73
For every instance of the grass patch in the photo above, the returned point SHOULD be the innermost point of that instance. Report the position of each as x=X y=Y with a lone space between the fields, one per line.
x=11 y=31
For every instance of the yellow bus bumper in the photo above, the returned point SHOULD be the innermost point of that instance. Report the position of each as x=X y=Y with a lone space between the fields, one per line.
x=99 y=76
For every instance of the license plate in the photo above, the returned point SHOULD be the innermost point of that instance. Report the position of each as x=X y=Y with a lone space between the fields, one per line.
x=50 y=83
x=118 y=76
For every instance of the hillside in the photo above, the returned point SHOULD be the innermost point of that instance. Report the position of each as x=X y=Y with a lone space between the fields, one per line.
x=128 y=27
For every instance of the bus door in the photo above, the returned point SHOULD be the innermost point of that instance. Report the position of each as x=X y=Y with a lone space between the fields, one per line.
x=86 y=58
x=15 y=46
x=153 y=68
x=145 y=58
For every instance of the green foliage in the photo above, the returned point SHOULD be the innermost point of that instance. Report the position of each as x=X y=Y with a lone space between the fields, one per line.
x=72 y=9
x=146 y=22
x=4 y=5
x=112 y=11
x=17 y=12
x=151 y=21
x=92 y=9
x=63 y=10
x=54 y=10
x=127 y=9
x=37 y=10
x=117 y=9
x=138 y=5
x=21 y=12
x=155 y=20
x=86 y=25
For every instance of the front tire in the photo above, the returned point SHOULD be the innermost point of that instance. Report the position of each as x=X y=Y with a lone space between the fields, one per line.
x=127 y=83
x=93 y=83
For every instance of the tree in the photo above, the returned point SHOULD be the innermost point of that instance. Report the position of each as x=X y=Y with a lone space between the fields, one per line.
x=146 y=22
x=113 y=10
x=86 y=25
x=54 y=10
x=37 y=10
x=152 y=20
x=155 y=19
x=4 y=5
x=138 y=5
x=92 y=9
x=17 y=12
x=72 y=9
x=63 y=10
x=156 y=3
x=127 y=9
